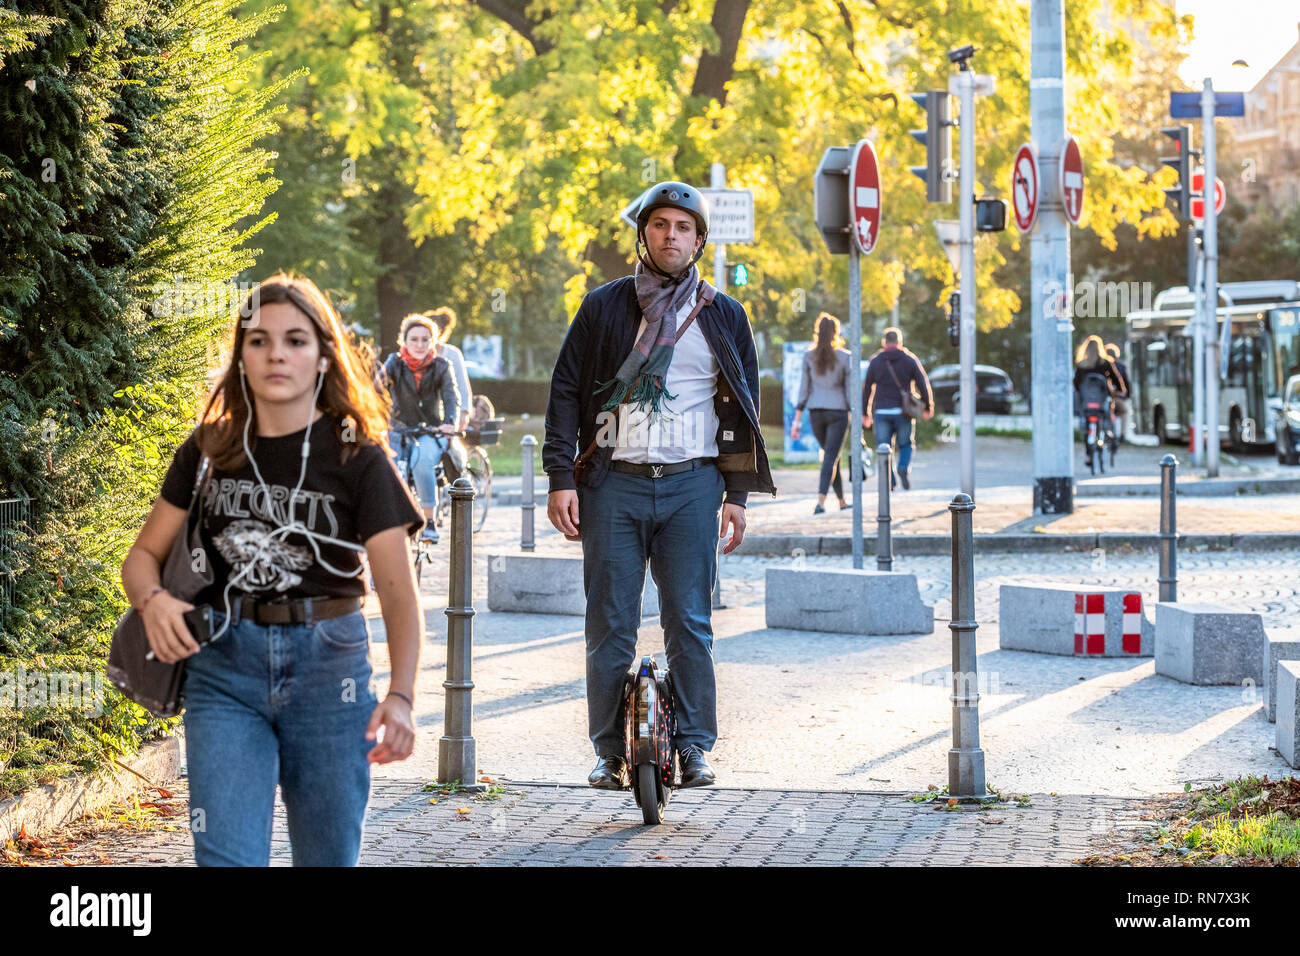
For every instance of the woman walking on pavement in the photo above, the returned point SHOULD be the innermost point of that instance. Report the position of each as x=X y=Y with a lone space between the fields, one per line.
x=824 y=390
x=295 y=484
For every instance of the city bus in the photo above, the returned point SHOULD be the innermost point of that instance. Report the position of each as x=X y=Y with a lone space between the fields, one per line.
x=1263 y=349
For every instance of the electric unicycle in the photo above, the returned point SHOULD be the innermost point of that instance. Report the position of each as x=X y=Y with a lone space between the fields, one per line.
x=649 y=724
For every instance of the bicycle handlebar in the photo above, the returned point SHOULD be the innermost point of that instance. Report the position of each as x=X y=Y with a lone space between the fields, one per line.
x=418 y=430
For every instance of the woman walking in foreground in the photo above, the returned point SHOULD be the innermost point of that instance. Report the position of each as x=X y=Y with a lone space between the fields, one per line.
x=296 y=485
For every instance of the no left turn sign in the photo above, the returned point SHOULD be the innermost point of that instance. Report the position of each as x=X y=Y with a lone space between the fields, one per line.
x=1024 y=187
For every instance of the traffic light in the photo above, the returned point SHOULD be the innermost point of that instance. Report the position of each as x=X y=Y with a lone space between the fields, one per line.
x=1182 y=196
x=954 y=319
x=740 y=274
x=937 y=139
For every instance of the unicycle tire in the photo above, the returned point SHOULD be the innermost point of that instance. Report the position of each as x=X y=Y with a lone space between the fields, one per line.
x=648 y=794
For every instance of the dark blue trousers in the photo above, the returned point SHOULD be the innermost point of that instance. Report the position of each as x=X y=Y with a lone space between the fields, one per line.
x=672 y=525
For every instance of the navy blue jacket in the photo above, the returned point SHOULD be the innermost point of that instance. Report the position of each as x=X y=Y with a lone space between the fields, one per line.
x=906 y=368
x=600 y=338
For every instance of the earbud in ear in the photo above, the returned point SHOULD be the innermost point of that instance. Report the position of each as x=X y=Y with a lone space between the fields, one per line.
x=241 y=366
x=324 y=364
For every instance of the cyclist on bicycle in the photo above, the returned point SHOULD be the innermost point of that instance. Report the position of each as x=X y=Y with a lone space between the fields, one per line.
x=424 y=393
x=1091 y=359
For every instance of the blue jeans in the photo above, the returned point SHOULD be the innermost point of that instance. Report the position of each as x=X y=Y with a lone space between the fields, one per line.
x=425 y=453
x=286 y=704
x=672 y=524
x=892 y=425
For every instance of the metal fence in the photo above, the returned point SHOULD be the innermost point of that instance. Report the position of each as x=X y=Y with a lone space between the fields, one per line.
x=14 y=516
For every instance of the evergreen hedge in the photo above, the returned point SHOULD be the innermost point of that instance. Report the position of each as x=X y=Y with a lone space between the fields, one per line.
x=129 y=175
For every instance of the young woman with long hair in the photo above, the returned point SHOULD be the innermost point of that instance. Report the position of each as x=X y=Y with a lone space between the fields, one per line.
x=824 y=389
x=299 y=487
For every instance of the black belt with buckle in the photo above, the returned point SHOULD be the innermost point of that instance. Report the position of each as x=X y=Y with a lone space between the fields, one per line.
x=654 y=470
x=301 y=611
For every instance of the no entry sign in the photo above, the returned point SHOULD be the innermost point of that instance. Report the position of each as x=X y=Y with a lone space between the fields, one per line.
x=1072 y=180
x=1198 y=195
x=864 y=196
x=1024 y=187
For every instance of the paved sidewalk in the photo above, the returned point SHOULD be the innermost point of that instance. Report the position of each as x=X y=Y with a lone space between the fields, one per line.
x=547 y=825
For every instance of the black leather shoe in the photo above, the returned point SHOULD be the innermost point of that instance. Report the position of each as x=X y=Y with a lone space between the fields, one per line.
x=696 y=771
x=610 y=773
x=902 y=476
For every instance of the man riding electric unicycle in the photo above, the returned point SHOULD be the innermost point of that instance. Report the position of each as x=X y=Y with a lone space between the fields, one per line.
x=652 y=447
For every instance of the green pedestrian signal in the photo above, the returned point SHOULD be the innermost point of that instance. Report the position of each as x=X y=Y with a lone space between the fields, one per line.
x=740 y=274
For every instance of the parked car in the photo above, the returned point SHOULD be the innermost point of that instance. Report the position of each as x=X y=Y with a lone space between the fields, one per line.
x=1286 y=423
x=994 y=391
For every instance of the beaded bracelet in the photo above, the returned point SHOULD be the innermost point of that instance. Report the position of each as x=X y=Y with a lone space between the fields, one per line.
x=152 y=595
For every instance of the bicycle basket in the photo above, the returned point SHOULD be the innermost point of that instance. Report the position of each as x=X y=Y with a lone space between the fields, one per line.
x=487 y=432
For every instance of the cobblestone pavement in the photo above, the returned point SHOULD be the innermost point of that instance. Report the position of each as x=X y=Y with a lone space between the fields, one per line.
x=928 y=513
x=1265 y=582
x=547 y=825
x=843 y=716
x=846 y=712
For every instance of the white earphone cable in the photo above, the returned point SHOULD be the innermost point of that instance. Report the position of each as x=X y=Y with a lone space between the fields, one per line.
x=288 y=524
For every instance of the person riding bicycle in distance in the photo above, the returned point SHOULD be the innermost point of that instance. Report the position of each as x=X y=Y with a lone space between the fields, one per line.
x=1091 y=359
x=656 y=385
x=423 y=392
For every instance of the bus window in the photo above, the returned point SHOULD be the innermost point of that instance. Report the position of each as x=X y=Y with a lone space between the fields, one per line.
x=1238 y=362
x=1286 y=345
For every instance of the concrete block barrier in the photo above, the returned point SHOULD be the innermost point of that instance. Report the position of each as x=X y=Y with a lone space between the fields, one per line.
x=1288 y=711
x=1209 y=644
x=1279 y=645
x=846 y=601
x=1073 y=620
x=537 y=584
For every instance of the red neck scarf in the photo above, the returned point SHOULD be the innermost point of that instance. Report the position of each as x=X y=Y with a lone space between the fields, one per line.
x=417 y=366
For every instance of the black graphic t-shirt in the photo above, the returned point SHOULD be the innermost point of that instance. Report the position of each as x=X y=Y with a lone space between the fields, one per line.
x=349 y=501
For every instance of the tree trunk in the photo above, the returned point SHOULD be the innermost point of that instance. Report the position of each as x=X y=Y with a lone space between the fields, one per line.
x=611 y=263
x=716 y=69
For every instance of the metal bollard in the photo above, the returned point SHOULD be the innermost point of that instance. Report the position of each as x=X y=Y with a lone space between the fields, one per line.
x=1168 y=577
x=456 y=758
x=965 y=759
x=527 y=446
x=884 y=546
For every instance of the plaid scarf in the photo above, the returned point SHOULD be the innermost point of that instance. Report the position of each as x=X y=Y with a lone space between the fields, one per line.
x=640 y=379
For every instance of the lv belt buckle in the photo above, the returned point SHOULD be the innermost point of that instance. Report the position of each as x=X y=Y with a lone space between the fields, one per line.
x=656 y=471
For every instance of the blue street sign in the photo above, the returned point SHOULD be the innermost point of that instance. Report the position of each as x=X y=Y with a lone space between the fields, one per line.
x=1188 y=105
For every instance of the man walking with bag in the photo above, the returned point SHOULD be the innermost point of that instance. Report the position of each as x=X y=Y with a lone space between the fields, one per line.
x=657 y=386
x=888 y=396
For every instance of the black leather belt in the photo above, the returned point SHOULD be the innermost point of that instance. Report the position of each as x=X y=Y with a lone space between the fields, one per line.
x=301 y=611
x=655 y=470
